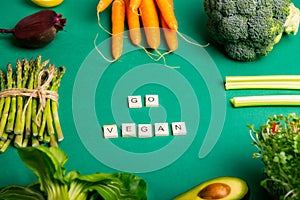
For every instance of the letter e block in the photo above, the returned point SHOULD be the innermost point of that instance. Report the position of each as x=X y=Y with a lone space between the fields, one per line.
x=128 y=130
x=135 y=102
x=110 y=131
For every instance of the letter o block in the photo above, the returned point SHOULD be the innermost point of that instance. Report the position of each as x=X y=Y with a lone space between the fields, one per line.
x=151 y=101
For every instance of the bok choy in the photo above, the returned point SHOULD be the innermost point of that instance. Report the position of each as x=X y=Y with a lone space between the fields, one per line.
x=47 y=163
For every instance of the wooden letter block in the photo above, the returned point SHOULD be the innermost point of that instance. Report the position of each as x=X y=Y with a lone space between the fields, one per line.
x=145 y=130
x=110 y=131
x=151 y=101
x=135 y=102
x=178 y=128
x=128 y=130
x=161 y=129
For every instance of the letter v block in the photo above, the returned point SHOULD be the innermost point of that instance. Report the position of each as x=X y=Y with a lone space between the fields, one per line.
x=110 y=131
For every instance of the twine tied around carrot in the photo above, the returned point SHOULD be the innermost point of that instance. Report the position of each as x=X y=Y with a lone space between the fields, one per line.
x=40 y=92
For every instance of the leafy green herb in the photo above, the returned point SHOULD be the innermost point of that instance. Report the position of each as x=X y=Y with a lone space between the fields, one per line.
x=278 y=142
x=48 y=165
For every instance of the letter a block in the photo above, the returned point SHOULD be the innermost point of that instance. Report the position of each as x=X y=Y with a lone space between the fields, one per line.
x=161 y=129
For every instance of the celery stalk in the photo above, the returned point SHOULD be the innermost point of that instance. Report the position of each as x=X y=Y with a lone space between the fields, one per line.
x=266 y=100
x=263 y=82
x=262 y=78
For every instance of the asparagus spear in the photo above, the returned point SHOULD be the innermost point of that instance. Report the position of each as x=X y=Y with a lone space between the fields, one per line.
x=28 y=113
x=43 y=122
x=5 y=112
x=5 y=145
x=2 y=86
x=34 y=141
x=46 y=137
x=46 y=113
x=53 y=141
x=54 y=105
x=35 y=124
x=22 y=76
x=12 y=111
x=26 y=72
x=49 y=120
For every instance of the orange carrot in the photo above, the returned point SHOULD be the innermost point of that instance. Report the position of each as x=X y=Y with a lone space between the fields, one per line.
x=167 y=11
x=102 y=5
x=133 y=23
x=118 y=20
x=170 y=35
x=134 y=5
x=150 y=23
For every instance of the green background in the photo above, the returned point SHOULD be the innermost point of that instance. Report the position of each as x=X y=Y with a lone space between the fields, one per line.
x=231 y=156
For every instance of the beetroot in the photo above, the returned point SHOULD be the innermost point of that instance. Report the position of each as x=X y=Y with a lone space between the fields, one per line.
x=38 y=29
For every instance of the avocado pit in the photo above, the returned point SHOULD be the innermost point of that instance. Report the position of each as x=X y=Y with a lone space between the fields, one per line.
x=215 y=191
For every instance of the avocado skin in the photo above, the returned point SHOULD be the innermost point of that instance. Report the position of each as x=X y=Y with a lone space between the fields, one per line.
x=247 y=196
x=192 y=194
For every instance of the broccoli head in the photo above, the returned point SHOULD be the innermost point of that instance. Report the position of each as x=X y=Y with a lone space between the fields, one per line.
x=249 y=29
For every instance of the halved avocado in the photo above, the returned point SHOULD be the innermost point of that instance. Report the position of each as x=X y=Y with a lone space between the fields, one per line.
x=221 y=188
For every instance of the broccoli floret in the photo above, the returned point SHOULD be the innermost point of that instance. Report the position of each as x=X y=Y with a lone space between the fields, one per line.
x=249 y=29
x=240 y=51
x=233 y=28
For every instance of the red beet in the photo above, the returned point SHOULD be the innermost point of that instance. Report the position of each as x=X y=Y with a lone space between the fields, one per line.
x=38 y=29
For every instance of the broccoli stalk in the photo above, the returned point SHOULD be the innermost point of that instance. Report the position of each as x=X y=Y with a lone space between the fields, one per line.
x=291 y=24
x=249 y=29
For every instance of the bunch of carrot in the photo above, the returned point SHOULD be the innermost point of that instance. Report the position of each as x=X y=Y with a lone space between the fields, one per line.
x=153 y=15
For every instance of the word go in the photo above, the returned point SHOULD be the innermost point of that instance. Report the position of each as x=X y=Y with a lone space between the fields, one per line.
x=136 y=101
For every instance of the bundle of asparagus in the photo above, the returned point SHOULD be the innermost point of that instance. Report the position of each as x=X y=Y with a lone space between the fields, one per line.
x=29 y=104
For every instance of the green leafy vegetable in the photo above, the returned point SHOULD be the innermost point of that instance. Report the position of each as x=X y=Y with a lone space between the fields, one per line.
x=48 y=165
x=278 y=142
x=20 y=192
x=250 y=29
